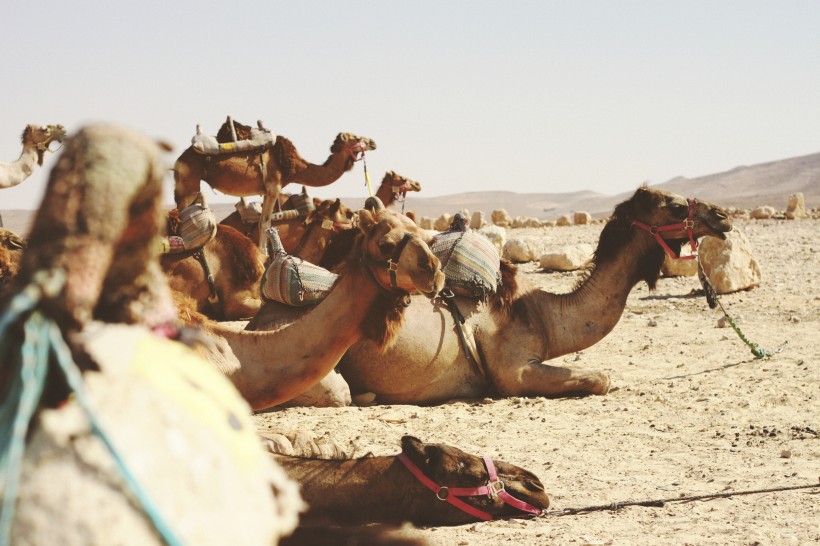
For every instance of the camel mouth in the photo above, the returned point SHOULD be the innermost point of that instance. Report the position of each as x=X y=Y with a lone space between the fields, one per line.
x=719 y=225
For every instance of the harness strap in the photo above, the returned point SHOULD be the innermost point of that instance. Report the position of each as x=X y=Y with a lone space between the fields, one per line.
x=392 y=264
x=687 y=224
x=213 y=297
x=470 y=351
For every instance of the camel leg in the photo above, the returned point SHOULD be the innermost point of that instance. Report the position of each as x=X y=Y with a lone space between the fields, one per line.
x=271 y=196
x=542 y=379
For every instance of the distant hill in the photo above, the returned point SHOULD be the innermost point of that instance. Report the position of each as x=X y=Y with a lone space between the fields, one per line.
x=742 y=187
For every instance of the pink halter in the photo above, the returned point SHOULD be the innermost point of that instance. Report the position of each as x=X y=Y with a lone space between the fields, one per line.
x=687 y=224
x=493 y=488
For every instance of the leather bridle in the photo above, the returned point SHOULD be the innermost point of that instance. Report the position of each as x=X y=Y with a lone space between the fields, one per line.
x=493 y=488
x=687 y=224
x=391 y=264
x=356 y=150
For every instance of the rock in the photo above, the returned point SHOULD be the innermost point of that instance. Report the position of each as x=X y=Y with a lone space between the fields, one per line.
x=568 y=258
x=762 y=213
x=497 y=236
x=518 y=222
x=477 y=221
x=532 y=222
x=563 y=220
x=796 y=208
x=730 y=264
x=501 y=218
x=522 y=249
x=678 y=268
x=525 y=221
x=582 y=218
x=442 y=223
x=426 y=222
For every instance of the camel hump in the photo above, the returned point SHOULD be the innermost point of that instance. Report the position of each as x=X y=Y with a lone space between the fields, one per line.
x=233 y=137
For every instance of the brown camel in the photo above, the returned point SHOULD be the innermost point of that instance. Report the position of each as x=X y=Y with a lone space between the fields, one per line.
x=11 y=254
x=385 y=490
x=263 y=173
x=394 y=188
x=36 y=141
x=110 y=370
x=235 y=265
x=387 y=262
x=520 y=328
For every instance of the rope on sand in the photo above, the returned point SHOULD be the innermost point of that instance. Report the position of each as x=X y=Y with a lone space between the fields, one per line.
x=661 y=502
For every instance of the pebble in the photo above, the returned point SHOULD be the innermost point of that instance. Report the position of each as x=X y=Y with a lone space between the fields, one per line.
x=785 y=454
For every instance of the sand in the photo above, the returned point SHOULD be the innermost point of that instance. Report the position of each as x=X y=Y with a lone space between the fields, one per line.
x=691 y=412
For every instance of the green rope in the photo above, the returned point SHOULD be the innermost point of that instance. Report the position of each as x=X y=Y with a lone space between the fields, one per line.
x=43 y=341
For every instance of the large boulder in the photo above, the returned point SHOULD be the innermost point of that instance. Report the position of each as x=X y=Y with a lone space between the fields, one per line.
x=796 y=208
x=501 y=217
x=763 y=213
x=582 y=218
x=497 y=236
x=477 y=220
x=672 y=267
x=730 y=265
x=523 y=249
x=426 y=222
x=563 y=220
x=568 y=258
x=442 y=223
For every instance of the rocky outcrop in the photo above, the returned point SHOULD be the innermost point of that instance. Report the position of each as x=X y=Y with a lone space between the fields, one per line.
x=796 y=208
x=568 y=258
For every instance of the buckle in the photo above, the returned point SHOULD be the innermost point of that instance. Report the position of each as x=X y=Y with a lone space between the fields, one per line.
x=442 y=493
x=653 y=230
x=392 y=266
x=495 y=487
x=689 y=224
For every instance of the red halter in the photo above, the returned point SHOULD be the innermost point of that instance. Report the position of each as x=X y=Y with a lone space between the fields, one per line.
x=494 y=488
x=356 y=150
x=687 y=224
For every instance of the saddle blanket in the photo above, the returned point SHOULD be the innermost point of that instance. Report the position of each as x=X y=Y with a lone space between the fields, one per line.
x=470 y=263
x=261 y=139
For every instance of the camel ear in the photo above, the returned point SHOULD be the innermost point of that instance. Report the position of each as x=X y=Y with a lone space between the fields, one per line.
x=366 y=219
x=412 y=215
x=374 y=204
x=410 y=445
x=336 y=205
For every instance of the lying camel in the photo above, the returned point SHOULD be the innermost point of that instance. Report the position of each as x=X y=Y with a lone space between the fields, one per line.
x=387 y=262
x=36 y=140
x=411 y=487
x=514 y=336
x=11 y=254
x=186 y=466
x=263 y=173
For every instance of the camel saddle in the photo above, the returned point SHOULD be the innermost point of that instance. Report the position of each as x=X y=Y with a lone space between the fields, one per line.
x=260 y=139
x=291 y=280
x=196 y=226
x=469 y=260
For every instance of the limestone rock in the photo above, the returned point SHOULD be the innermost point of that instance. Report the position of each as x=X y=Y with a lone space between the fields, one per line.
x=501 y=218
x=582 y=218
x=523 y=249
x=796 y=208
x=563 y=220
x=763 y=213
x=442 y=223
x=730 y=265
x=678 y=268
x=568 y=258
x=426 y=222
x=477 y=221
x=497 y=236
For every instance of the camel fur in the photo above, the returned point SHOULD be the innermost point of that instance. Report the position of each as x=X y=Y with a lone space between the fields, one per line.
x=515 y=334
x=393 y=186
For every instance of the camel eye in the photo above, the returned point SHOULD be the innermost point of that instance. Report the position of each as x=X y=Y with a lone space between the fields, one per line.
x=678 y=208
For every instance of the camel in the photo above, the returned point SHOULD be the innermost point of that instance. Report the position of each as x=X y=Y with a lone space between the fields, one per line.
x=183 y=464
x=263 y=173
x=387 y=262
x=389 y=490
x=520 y=328
x=394 y=187
x=11 y=254
x=36 y=140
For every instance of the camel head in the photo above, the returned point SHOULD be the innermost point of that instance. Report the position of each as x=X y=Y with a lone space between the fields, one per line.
x=353 y=145
x=41 y=137
x=399 y=183
x=451 y=467
x=396 y=254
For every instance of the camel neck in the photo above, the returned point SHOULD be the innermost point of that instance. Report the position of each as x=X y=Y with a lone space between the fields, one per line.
x=12 y=174
x=314 y=175
x=577 y=320
x=276 y=366
x=385 y=193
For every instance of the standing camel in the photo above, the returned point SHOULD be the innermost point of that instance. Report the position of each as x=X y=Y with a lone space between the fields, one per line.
x=263 y=172
x=388 y=261
x=394 y=187
x=521 y=328
x=36 y=140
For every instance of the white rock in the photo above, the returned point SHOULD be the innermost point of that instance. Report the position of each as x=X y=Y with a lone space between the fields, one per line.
x=501 y=217
x=442 y=223
x=730 y=265
x=582 y=218
x=763 y=213
x=477 y=221
x=678 y=268
x=796 y=208
x=497 y=236
x=568 y=258
x=523 y=249
x=563 y=220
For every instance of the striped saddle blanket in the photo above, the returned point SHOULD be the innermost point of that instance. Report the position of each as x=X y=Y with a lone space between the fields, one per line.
x=470 y=262
x=196 y=226
x=293 y=281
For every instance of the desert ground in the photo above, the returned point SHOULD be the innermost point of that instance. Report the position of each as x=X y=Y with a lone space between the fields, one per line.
x=691 y=412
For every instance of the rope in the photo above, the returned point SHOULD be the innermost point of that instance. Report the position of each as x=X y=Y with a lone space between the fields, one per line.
x=42 y=342
x=661 y=502
x=367 y=176
x=712 y=296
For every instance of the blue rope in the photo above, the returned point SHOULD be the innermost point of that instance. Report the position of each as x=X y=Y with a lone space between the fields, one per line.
x=43 y=339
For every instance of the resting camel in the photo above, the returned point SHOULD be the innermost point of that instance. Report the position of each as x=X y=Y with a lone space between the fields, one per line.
x=521 y=328
x=386 y=490
x=263 y=173
x=36 y=140
x=388 y=261
x=102 y=307
x=11 y=254
x=395 y=186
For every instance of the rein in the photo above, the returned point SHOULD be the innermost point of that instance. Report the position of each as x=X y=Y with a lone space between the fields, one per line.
x=493 y=488
x=687 y=224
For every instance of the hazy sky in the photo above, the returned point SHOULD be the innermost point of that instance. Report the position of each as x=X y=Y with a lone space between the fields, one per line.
x=472 y=95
